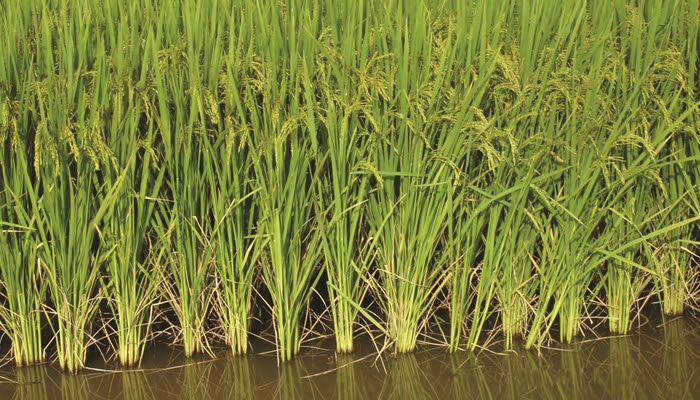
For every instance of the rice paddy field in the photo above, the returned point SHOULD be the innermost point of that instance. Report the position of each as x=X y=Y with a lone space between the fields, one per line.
x=464 y=175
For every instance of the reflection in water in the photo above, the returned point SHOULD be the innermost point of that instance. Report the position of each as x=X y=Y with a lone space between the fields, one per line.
x=679 y=359
x=468 y=379
x=525 y=376
x=406 y=380
x=197 y=381
x=31 y=382
x=572 y=382
x=135 y=386
x=555 y=374
x=624 y=370
x=348 y=382
x=239 y=378
x=74 y=387
x=660 y=363
x=290 y=386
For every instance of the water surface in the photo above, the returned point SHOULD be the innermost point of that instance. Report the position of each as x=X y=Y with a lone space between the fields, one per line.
x=659 y=360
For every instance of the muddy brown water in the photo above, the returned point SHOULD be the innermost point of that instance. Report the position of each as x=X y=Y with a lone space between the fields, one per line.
x=659 y=360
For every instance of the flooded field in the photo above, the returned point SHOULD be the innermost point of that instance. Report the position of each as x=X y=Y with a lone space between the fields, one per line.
x=659 y=360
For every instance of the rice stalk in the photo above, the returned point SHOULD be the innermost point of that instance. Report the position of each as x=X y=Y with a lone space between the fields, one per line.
x=285 y=148
x=184 y=221
x=69 y=151
x=23 y=289
x=342 y=191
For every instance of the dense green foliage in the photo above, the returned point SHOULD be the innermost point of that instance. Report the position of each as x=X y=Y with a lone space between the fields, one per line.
x=532 y=163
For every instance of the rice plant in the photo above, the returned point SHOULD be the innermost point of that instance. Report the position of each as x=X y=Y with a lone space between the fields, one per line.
x=23 y=290
x=511 y=246
x=418 y=161
x=346 y=252
x=190 y=63
x=465 y=251
x=290 y=265
x=237 y=244
x=69 y=227
x=285 y=147
x=670 y=95
x=236 y=238
x=70 y=148
x=130 y=279
x=624 y=277
x=484 y=146
x=343 y=188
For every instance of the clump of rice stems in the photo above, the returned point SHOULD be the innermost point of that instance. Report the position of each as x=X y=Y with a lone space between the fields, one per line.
x=131 y=273
x=510 y=245
x=407 y=224
x=290 y=262
x=578 y=202
x=185 y=222
x=346 y=259
x=69 y=206
x=236 y=242
x=235 y=237
x=68 y=227
x=21 y=284
x=674 y=281
x=672 y=254
x=482 y=279
x=131 y=279
x=342 y=193
x=184 y=225
x=407 y=216
x=670 y=102
x=471 y=288
x=566 y=266
x=511 y=281
x=423 y=136
x=675 y=253
x=410 y=268
x=185 y=231
x=465 y=246
x=624 y=277
x=285 y=149
x=661 y=194
x=669 y=98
